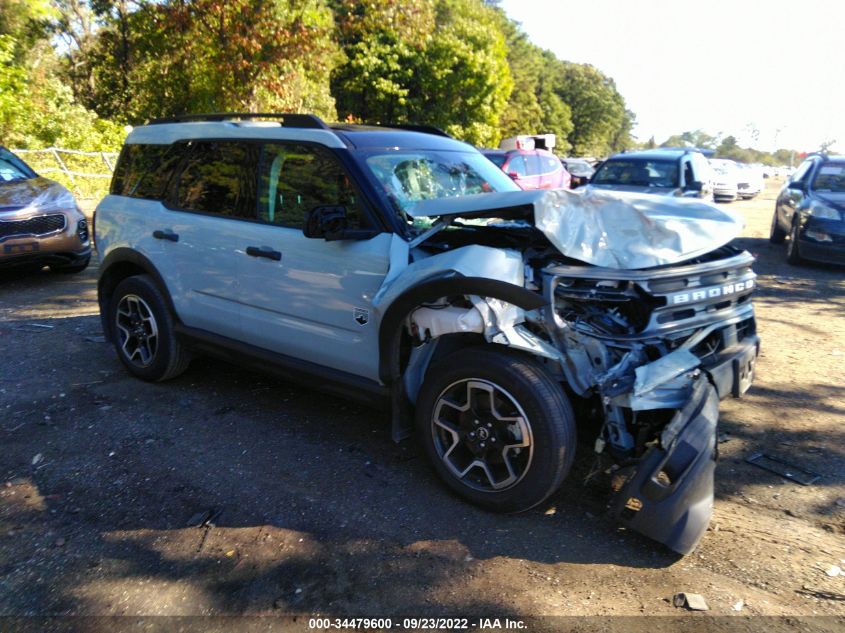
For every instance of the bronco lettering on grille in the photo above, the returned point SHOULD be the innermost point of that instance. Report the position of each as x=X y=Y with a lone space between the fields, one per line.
x=711 y=293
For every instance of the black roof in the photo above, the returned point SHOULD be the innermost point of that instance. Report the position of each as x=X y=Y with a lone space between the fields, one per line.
x=369 y=137
x=660 y=153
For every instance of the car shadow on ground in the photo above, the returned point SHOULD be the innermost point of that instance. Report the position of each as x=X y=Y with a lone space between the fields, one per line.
x=125 y=465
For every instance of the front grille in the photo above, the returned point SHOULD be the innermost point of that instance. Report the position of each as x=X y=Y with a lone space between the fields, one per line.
x=37 y=226
x=669 y=301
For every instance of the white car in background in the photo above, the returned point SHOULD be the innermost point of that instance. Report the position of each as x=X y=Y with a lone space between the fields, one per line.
x=726 y=176
x=750 y=181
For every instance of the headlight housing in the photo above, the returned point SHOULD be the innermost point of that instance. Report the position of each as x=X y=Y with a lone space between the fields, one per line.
x=820 y=210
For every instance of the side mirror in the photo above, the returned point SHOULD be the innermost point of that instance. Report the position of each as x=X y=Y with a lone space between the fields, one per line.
x=796 y=186
x=695 y=185
x=513 y=175
x=330 y=223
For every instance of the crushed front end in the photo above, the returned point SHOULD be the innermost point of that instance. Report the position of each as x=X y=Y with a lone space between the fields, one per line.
x=656 y=350
x=647 y=320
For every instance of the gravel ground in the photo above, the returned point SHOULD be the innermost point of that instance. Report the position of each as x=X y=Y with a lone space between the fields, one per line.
x=315 y=510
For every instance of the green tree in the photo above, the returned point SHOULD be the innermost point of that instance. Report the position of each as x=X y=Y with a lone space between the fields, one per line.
x=465 y=81
x=696 y=138
x=172 y=57
x=382 y=41
x=439 y=62
x=600 y=119
x=37 y=109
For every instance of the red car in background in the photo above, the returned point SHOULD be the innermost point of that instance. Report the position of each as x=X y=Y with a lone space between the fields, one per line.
x=531 y=169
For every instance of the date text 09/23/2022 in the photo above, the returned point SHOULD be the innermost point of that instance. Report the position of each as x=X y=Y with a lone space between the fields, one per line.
x=410 y=624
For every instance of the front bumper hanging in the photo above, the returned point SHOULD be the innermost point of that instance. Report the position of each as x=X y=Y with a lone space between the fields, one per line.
x=669 y=495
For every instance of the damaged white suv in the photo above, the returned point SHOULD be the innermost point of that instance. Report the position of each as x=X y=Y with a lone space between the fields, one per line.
x=402 y=267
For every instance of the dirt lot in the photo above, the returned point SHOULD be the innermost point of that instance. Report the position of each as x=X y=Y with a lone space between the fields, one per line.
x=317 y=511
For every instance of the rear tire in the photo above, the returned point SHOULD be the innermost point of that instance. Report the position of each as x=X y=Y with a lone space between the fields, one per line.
x=777 y=235
x=497 y=428
x=141 y=328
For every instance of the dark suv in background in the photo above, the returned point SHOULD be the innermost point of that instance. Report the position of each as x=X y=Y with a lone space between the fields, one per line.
x=664 y=171
x=810 y=209
x=579 y=169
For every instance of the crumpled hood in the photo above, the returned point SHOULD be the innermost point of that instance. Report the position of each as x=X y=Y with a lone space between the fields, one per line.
x=36 y=194
x=609 y=229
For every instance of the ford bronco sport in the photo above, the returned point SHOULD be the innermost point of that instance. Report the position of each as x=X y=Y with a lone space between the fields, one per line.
x=402 y=267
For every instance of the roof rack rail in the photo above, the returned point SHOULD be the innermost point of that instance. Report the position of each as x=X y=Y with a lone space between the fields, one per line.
x=691 y=148
x=287 y=119
x=413 y=127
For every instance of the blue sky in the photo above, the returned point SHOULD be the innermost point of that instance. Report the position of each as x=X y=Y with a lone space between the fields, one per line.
x=728 y=67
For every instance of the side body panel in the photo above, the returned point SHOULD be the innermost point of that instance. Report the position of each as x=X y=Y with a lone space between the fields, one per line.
x=316 y=302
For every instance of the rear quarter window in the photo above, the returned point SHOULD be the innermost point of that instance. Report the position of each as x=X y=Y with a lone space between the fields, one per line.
x=143 y=171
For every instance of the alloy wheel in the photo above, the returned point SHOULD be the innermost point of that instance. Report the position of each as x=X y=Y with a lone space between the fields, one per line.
x=482 y=435
x=137 y=330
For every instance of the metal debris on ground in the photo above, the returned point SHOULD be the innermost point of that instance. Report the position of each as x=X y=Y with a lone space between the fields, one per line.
x=33 y=327
x=834 y=570
x=37 y=459
x=206 y=518
x=784 y=469
x=692 y=601
x=738 y=605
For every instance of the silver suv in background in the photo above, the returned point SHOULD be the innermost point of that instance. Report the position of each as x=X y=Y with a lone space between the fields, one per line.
x=403 y=268
x=663 y=171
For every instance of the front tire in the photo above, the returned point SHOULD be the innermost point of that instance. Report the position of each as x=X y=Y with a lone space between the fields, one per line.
x=497 y=428
x=793 y=255
x=776 y=235
x=142 y=331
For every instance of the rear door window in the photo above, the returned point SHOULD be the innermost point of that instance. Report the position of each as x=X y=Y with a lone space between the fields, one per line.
x=534 y=167
x=220 y=177
x=550 y=164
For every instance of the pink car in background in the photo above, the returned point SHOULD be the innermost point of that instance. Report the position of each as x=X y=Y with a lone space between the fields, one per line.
x=531 y=169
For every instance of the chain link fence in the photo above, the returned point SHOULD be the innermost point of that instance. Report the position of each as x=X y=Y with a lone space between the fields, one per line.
x=86 y=174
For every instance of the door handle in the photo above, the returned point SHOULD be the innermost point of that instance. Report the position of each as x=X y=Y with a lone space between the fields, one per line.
x=264 y=251
x=166 y=235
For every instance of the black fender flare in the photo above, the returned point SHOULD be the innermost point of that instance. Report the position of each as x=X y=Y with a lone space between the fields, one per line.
x=390 y=330
x=122 y=256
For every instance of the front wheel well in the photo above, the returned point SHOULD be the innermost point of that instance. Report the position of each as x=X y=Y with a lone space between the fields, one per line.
x=115 y=271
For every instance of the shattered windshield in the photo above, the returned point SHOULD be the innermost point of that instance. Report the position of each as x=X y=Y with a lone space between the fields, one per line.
x=641 y=173
x=409 y=177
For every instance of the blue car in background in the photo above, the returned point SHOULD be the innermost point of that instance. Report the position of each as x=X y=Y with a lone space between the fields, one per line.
x=810 y=210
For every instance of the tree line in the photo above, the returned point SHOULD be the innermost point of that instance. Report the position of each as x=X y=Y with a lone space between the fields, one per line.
x=728 y=147
x=75 y=72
